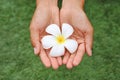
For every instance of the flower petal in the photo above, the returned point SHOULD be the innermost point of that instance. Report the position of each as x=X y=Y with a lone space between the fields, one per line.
x=57 y=51
x=53 y=29
x=67 y=30
x=48 y=41
x=71 y=45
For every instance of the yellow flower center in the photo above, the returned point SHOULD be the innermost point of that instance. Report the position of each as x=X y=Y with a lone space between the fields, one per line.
x=60 y=39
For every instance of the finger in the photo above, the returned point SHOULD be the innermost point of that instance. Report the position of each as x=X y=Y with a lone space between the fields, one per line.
x=44 y=58
x=34 y=34
x=59 y=59
x=79 y=55
x=66 y=57
x=69 y=64
x=53 y=61
x=89 y=41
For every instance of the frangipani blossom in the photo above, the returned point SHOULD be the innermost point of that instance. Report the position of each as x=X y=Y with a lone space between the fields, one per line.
x=58 y=40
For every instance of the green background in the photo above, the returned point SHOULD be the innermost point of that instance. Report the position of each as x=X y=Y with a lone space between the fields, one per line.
x=18 y=62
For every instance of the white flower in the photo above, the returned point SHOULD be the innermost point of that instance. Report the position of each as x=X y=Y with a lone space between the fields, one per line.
x=58 y=40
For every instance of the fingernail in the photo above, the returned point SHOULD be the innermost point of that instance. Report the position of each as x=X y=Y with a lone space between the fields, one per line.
x=91 y=53
x=35 y=50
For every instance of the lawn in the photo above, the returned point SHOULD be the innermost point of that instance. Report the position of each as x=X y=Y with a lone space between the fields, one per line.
x=18 y=62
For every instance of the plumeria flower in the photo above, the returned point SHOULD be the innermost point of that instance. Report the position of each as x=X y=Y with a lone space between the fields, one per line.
x=58 y=40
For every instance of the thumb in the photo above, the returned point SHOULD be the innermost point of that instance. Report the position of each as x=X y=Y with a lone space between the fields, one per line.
x=89 y=41
x=35 y=38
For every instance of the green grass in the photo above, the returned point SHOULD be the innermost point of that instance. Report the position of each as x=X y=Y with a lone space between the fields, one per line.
x=17 y=61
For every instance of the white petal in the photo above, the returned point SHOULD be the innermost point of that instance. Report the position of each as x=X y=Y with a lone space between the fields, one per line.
x=53 y=29
x=57 y=51
x=71 y=45
x=48 y=41
x=67 y=30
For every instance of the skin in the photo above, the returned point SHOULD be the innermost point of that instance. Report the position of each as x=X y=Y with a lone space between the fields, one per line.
x=72 y=12
x=46 y=13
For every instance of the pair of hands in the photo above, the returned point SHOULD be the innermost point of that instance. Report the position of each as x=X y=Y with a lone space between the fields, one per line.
x=48 y=13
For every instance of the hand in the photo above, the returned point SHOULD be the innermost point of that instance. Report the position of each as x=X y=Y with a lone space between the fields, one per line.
x=73 y=14
x=46 y=13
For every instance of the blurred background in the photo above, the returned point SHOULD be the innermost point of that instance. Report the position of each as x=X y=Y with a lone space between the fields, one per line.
x=18 y=62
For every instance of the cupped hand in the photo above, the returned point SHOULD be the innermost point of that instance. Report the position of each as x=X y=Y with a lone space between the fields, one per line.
x=75 y=16
x=44 y=15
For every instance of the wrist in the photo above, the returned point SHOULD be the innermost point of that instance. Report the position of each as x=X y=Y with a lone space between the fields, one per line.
x=73 y=3
x=46 y=3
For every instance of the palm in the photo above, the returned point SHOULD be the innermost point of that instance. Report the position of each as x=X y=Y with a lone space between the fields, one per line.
x=77 y=18
x=44 y=17
x=41 y=19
